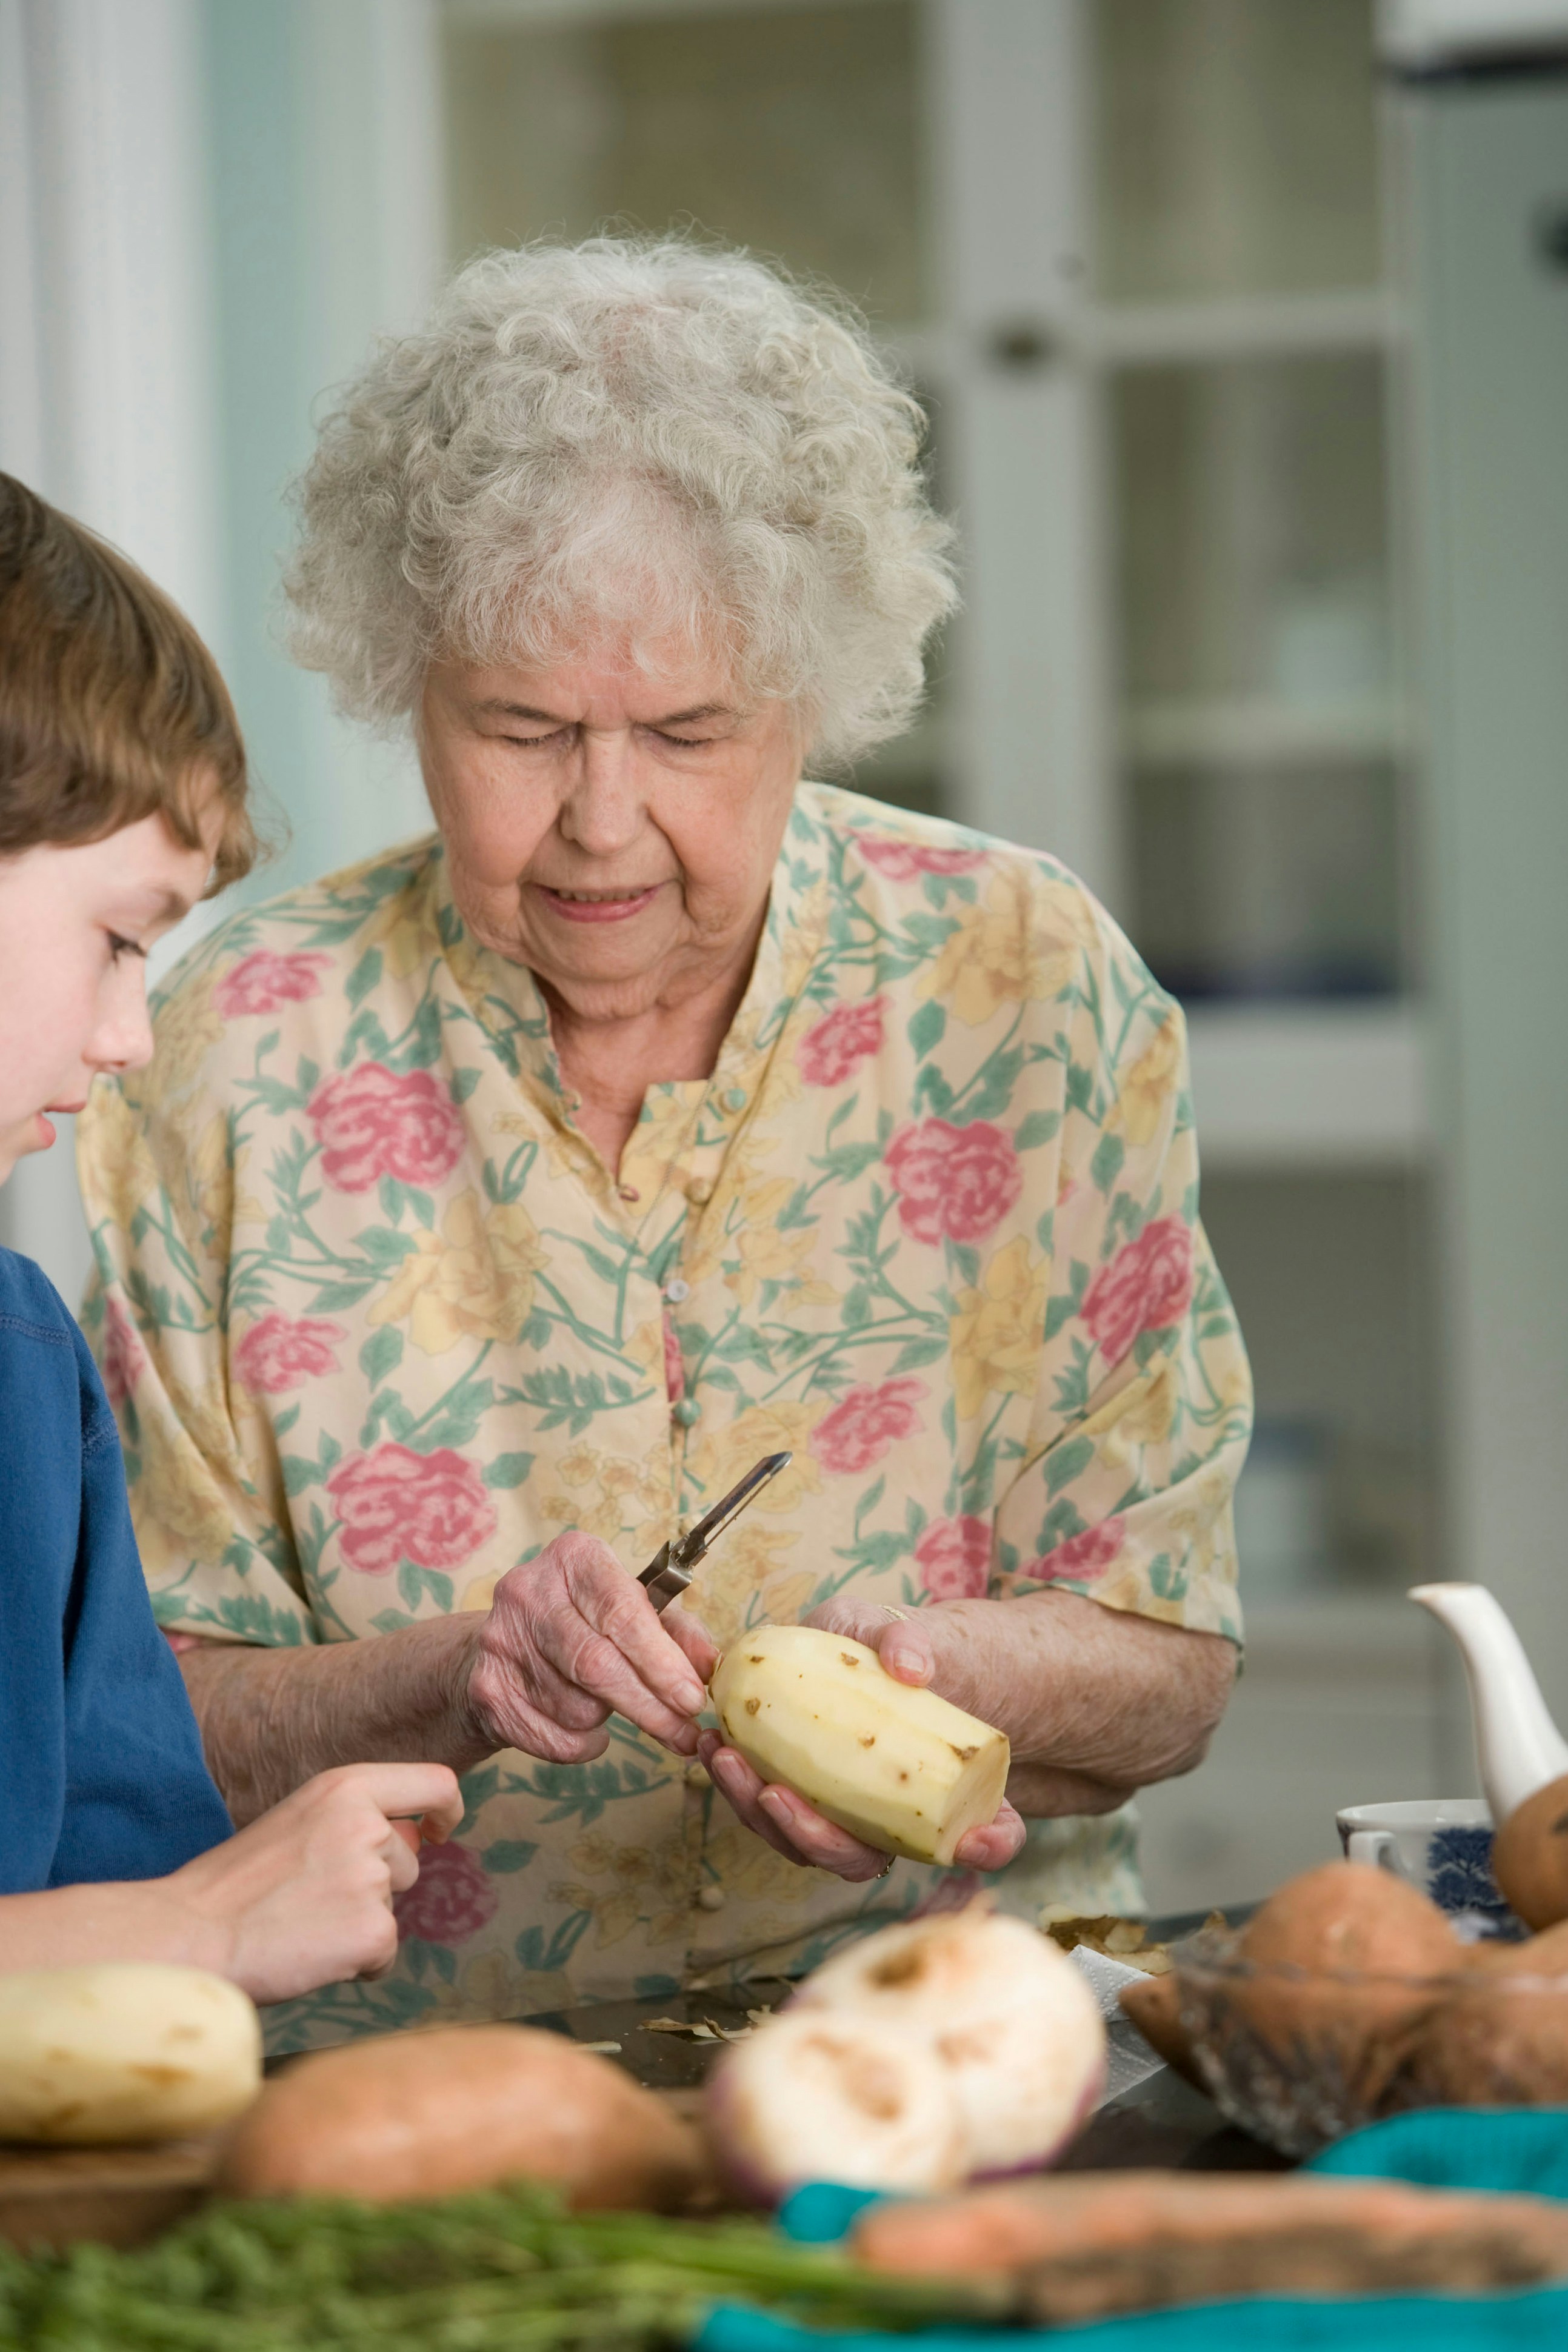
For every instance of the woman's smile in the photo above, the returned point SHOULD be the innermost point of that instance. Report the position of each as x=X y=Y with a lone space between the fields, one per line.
x=597 y=905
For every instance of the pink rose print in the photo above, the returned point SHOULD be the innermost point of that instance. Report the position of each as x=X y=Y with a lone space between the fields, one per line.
x=957 y=1180
x=124 y=1357
x=278 y=1354
x=1082 y=1558
x=451 y=1898
x=865 y=1424
x=372 y=1123
x=901 y=861
x=954 y=1558
x=262 y=981
x=675 y=1368
x=431 y=1508
x=844 y=1036
x=1147 y=1285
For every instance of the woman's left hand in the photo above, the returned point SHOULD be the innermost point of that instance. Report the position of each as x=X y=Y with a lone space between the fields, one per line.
x=910 y=1650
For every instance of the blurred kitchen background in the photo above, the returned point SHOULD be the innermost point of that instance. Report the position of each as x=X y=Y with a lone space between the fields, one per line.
x=1243 y=330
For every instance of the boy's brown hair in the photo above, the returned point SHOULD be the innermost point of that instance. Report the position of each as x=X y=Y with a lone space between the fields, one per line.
x=110 y=706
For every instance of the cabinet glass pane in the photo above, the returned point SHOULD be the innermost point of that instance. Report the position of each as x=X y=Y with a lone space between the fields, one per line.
x=793 y=131
x=1253 y=882
x=1251 y=554
x=1235 y=147
x=1327 y=1274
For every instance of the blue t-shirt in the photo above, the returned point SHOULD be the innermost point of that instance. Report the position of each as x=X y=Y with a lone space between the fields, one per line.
x=101 y=1762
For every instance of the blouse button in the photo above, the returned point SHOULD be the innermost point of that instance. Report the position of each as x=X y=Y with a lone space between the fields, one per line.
x=676 y=1290
x=699 y=1190
x=735 y=1098
x=710 y=1898
x=696 y=1777
x=628 y=1191
x=688 y=1411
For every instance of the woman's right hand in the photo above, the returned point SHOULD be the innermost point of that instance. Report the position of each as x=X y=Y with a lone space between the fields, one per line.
x=573 y=1638
x=303 y=1896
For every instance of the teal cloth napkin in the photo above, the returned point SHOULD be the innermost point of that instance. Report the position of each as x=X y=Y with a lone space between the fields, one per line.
x=1519 y=2148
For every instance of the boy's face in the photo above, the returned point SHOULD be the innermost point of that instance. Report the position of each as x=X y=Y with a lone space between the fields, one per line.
x=75 y=926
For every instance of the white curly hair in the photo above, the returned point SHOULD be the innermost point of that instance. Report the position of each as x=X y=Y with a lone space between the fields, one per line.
x=631 y=439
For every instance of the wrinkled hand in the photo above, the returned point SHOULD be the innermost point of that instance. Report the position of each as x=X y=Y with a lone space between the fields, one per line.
x=303 y=1896
x=913 y=1650
x=572 y=1638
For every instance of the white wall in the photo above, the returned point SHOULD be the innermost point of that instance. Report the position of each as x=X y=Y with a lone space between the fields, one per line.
x=208 y=208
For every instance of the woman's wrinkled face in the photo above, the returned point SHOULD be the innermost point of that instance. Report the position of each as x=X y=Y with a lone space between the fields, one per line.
x=76 y=923
x=614 y=830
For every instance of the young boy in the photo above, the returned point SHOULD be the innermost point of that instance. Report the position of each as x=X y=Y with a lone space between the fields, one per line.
x=123 y=802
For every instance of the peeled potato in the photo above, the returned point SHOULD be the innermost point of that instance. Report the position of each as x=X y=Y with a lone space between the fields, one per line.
x=127 y=2049
x=463 y=2106
x=1529 y=1856
x=1367 y=1947
x=896 y=1765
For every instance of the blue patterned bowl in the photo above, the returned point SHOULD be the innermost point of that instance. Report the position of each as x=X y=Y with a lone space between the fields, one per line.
x=1442 y=1846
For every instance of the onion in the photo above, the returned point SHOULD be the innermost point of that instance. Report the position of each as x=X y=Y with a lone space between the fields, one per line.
x=1009 y=2017
x=814 y=2097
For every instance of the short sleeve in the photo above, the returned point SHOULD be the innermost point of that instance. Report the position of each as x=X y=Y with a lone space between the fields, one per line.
x=158 y=1184
x=1142 y=1409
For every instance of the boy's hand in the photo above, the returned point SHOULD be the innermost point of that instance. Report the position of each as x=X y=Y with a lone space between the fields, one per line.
x=303 y=1896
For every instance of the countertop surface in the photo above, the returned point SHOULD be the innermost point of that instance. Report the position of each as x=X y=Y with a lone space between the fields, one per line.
x=1159 y=2121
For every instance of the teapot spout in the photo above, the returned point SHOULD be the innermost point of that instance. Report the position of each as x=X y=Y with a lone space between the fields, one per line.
x=1518 y=1748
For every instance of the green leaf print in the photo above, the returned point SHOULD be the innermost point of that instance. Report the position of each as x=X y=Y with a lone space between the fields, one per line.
x=1039 y=1127
x=364 y=977
x=507 y=1855
x=423 y=1046
x=1064 y=1462
x=508 y=1469
x=414 y=1583
x=1106 y=1164
x=927 y=1026
x=382 y=1351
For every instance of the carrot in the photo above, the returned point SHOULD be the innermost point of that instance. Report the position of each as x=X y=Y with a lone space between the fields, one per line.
x=1081 y=2248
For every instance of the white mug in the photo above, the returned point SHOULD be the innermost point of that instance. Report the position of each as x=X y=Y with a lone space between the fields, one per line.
x=1440 y=1845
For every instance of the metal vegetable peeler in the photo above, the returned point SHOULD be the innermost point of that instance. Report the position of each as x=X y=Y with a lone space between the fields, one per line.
x=669 y=1571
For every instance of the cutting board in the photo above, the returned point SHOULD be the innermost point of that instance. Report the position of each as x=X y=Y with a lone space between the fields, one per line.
x=118 y=2195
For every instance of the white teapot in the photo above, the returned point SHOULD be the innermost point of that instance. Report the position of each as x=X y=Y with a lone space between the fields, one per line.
x=1518 y=1748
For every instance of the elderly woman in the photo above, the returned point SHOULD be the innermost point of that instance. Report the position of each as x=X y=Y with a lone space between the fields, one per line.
x=491 y=1207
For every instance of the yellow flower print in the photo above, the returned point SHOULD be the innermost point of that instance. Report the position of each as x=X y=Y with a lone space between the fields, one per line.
x=722 y=1458
x=580 y=1467
x=114 y=1160
x=996 y=1333
x=1006 y=952
x=1142 y=1414
x=179 y=1513
x=475 y=1280
x=736 y=1572
x=768 y=1255
x=400 y=928
x=187 y=1028
x=1148 y=1088
x=479 y=1592
x=801 y=942
x=756 y=1872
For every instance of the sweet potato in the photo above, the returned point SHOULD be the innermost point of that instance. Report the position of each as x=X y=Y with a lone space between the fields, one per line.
x=1082 y=2247
x=1529 y=1856
x=462 y=2106
x=1349 y=1961
x=1154 y=2004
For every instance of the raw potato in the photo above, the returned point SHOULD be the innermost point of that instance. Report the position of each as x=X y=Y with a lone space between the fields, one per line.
x=1529 y=1856
x=815 y=2096
x=1373 y=1955
x=1082 y=2247
x=1010 y=2019
x=463 y=2106
x=904 y=1770
x=129 y=2050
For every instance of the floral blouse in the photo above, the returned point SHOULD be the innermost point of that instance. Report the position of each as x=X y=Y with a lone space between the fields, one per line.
x=378 y=1322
